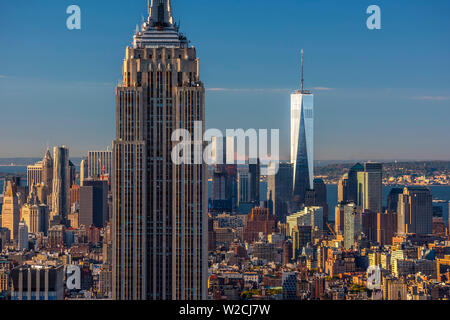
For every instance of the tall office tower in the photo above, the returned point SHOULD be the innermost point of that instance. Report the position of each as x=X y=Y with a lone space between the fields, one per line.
x=160 y=208
x=61 y=185
x=232 y=185
x=302 y=142
x=219 y=183
x=94 y=203
x=72 y=174
x=47 y=170
x=279 y=187
x=392 y=200
x=244 y=185
x=224 y=177
x=343 y=189
x=339 y=218
x=415 y=211
x=320 y=191
x=352 y=189
x=370 y=187
x=11 y=210
x=352 y=224
x=22 y=241
x=34 y=174
x=83 y=171
x=386 y=227
x=35 y=213
x=254 y=168
x=99 y=163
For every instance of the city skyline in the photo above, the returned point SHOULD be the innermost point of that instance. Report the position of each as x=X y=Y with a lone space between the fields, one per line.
x=394 y=80
x=152 y=213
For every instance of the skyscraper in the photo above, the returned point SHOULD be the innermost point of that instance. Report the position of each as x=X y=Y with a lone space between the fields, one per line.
x=415 y=211
x=352 y=224
x=279 y=190
x=83 y=171
x=61 y=185
x=34 y=174
x=320 y=192
x=392 y=200
x=370 y=187
x=11 y=210
x=352 y=184
x=99 y=163
x=41 y=172
x=244 y=185
x=22 y=241
x=93 y=203
x=343 y=189
x=159 y=208
x=47 y=171
x=302 y=141
x=254 y=168
x=35 y=213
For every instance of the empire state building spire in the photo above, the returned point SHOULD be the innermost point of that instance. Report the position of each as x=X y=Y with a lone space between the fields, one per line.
x=159 y=30
x=160 y=12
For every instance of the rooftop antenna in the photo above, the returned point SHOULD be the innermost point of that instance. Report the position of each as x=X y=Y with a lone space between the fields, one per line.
x=148 y=7
x=302 y=80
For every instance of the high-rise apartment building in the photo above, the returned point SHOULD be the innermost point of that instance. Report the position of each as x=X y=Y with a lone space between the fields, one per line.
x=302 y=142
x=415 y=211
x=47 y=170
x=160 y=208
x=352 y=224
x=61 y=185
x=370 y=187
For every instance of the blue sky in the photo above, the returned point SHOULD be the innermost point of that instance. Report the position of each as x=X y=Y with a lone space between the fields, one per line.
x=382 y=94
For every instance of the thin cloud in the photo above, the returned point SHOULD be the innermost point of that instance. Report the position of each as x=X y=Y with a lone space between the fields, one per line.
x=269 y=90
x=431 y=98
x=247 y=90
x=322 y=89
x=2 y=76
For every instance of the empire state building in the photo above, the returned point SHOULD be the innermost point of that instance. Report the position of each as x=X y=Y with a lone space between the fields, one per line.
x=160 y=208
